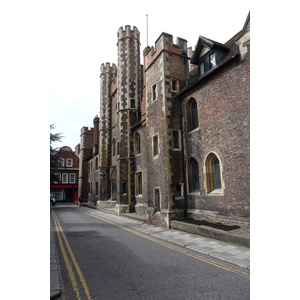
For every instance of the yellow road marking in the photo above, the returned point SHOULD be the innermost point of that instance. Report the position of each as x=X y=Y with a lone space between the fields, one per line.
x=82 y=280
x=67 y=262
x=173 y=247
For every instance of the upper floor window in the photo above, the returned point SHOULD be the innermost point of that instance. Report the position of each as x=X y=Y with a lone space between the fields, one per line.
x=58 y=176
x=132 y=103
x=154 y=92
x=61 y=162
x=176 y=139
x=208 y=63
x=155 y=145
x=137 y=143
x=69 y=162
x=72 y=178
x=174 y=85
x=64 y=178
x=192 y=115
x=96 y=163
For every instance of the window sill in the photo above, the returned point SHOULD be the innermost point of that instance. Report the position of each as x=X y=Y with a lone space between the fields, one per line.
x=196 y=193
x=194 y=130
x=216 y=192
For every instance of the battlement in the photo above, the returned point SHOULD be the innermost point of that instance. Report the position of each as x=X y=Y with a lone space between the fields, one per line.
x=164 y=42
x=106 y=68
x=87 y=130
x=128 y=33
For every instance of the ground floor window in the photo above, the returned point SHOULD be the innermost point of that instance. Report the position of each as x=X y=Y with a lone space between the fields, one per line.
x=193 y=176
x=157 y=199
x=213 y=174
x=138 y=183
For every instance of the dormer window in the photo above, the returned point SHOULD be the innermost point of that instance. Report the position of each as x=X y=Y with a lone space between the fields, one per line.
x=208 y=63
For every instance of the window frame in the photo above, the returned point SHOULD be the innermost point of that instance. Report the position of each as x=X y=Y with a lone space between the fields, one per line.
x=206 y=64
x=65 y=178
x=179 y=139
x=137 y=143
x=70 y=178
x=132 y=103
x=210 y=186
x=138 y=184
x=157 y=201
x=154 y=92
x=155 y=145
x=69 y=162
x=193 y=176
x=192 y=115
x=174 y=85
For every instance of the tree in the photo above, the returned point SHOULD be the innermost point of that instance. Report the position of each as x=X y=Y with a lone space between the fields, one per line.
x=54 y=160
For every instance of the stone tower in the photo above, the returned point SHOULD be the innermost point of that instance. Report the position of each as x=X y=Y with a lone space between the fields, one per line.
x=85 y=153
x=128 y=103
x=107 y=75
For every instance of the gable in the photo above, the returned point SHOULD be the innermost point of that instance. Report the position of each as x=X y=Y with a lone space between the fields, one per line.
x=205 y=46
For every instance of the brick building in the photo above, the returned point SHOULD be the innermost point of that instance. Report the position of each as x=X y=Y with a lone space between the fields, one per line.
x=172 y=139
x=66 y=189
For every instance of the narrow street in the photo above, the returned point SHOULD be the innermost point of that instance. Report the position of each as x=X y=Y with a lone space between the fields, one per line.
x=103 y=260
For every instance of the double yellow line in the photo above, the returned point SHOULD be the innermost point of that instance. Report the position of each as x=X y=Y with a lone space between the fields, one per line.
x=61 y=238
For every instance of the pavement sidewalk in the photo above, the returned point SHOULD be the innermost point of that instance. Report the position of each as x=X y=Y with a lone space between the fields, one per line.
x=55 y=278
x=225 y=251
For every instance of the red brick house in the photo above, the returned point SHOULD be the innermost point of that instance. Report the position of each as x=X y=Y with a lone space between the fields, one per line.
x=66 y=189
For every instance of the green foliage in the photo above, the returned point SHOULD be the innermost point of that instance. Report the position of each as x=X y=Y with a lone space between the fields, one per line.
x=54 y=160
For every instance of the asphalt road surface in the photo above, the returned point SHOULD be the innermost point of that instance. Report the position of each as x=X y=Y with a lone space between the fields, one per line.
x=103 y=260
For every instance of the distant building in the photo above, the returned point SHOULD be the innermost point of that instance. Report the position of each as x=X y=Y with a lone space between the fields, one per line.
x=66 y=189
x=172 y=139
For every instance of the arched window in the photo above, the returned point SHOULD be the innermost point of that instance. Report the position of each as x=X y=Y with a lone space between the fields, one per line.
x=213 y=174
x=193 y=175
x=192 y=115
x=137 y=143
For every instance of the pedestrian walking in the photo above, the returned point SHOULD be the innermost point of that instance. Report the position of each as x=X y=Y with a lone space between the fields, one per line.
x=53 y=201
x=80 y=199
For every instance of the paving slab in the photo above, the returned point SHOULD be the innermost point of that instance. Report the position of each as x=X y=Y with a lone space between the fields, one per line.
x=148 y=229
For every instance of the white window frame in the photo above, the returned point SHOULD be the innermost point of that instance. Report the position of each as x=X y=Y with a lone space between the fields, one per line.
x=72 y=175
x=69 y=162
x=65 y=178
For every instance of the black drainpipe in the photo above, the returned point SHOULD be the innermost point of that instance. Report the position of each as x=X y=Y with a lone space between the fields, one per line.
x=182 y=150
x=183 y=161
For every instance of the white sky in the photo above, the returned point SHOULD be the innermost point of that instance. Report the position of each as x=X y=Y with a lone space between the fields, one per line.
x=83 y=35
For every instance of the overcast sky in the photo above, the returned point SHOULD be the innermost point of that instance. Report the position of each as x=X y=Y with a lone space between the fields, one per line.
x=54 y=49
x=84 y=35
